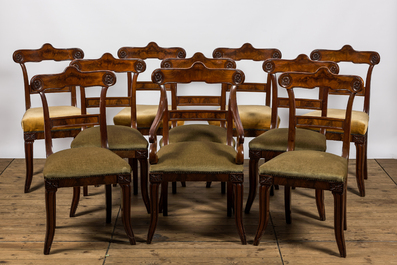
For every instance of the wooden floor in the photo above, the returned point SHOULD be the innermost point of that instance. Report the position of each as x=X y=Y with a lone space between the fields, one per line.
x=197 y=229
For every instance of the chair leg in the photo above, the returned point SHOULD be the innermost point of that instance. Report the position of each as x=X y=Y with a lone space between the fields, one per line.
x=339 y=205
x=144 y=182
x=154 y=210
x=264 y=198
x=174 y=187
x=183 y=183
x=75 y=201
x=253 y=180
x=50 y=203
x=287 y=203
x=134 y=165
x=238 y=211
x=29 y=163
x=126 y=211
x=208 y=185
x=365 y=156
x=164 y=193
x=108 y=191
x=320 y=204
x=223 y=187
x=85 y=190
x=360 y=149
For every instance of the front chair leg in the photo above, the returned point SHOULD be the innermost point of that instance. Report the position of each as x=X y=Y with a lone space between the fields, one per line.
x=126 y=211
x=253 y=180
x=287 y=204
x=29 y=164
x=264 y=198
x=144 y=183
x=50 y=205
x=134 y=166
x=320 y=204
x=339 y=211
x=154 y=211
x=238 y=211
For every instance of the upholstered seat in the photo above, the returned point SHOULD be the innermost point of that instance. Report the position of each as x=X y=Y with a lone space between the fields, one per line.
x=277 y=140
x=307 y=165
x=33 y=120
x=360 y=119
x=119 y=138
x=189 y=157
x=84 y=162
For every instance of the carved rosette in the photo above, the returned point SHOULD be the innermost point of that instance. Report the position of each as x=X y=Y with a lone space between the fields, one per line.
x=181 y=54
x=142 y=153
x=36 y=84
x=29 y=137
x=276 y=55
x=238 y=77
x=122 y=54
x=217 y=54
x=268 y=67
x=356 y=85
x=18 y=58
x=285 y=80
x=230 y=65
x=140 y=66
x=334 y=69
x=239 y=178
x=155 y=177
x=109 y=79
x=265 y=180
x=375 y=58
x=167 y=64
x=316 y=56
x=336 y=187
x=78 y=54
x=50 y=185
x=157 y=77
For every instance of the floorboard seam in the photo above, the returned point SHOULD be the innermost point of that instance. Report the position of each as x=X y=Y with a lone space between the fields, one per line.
x=275 y=234
x=111 y=237
x=7 y=166
x=385 y=171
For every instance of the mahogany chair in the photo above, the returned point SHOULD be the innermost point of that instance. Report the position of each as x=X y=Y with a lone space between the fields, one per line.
x=197 y=132
x=197 y=160
x=275 y=141
x=359 y=129
x=145 y=113
x=308 y=168
x=83 y=166
x=256 y=119
x=33 y=121
x=126 y=141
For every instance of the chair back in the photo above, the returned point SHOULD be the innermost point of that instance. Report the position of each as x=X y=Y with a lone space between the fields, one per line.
x=73 y=77
x=348 y=54
x=198 y=72
x=46 y=53
x=132 y=67
x=349 y=85
x=302 y=63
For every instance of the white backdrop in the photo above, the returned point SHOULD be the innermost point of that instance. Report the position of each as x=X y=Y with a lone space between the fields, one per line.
x=294 y=27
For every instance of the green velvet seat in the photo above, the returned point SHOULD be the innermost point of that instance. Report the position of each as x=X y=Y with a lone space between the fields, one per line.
x=277 y=140
x=197 y=157
x=84 y=162
x=119 y=138
x=307 y=165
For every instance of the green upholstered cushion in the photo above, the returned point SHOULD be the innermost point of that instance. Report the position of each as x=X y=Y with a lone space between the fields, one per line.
x=277 y=140
x=84 y=162
x=196 y=157
x=197 y=132
x=257 y=117
x=33 y=119
x=119 y=138
x=145 y=115
x=307 y=164
x=360 y=119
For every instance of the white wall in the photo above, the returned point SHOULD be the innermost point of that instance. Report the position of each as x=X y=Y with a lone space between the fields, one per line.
x=294 y=27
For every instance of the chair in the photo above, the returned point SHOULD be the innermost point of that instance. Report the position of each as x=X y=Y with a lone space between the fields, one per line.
x=33 y=121
x=83 y=166
x=145 y=113
x=308 y=168
x=275 y=141
x=359 y=130
x=197 y=160
x=197 y=132
x=125 y=141
x=255 y=118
